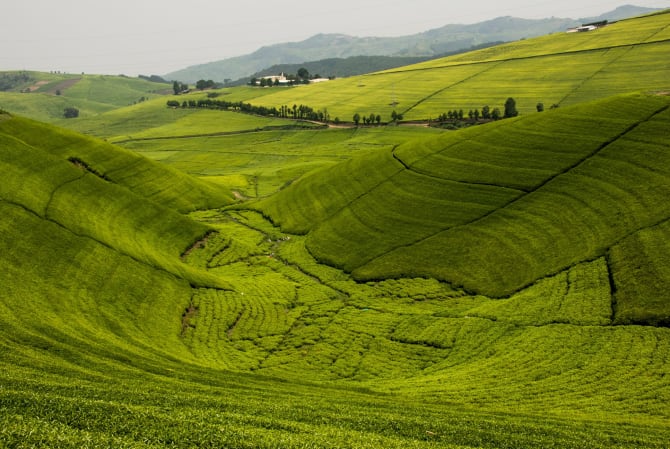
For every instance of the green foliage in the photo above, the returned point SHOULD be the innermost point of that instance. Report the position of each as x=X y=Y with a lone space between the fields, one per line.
x=124 y=323
x=108 y=356
x=605 y=196
x=476 y=207
x=71 y=112
x=641 y=277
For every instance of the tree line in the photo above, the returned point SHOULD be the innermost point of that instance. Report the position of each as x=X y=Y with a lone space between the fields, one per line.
x=304 y=112
x=301 y=112
x=486 y=113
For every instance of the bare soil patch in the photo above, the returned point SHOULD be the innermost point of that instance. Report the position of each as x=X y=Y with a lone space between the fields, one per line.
x=63 y=85
x=36 y=86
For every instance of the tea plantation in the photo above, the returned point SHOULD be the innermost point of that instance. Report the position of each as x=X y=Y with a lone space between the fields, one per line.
x=202 y=278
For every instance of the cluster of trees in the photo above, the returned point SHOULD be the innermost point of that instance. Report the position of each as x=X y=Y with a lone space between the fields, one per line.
x=205 y=84
x=486 y=113
x=374 y=119
x=179 y=88
x=71 y=112
x=367 y=120
x=10 y=80
x=301 y=112
x=304 y=112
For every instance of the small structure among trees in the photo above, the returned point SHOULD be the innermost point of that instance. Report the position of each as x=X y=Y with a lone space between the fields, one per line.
x=179 y=87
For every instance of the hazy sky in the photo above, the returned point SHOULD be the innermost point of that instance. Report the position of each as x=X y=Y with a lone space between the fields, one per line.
x=156 y=37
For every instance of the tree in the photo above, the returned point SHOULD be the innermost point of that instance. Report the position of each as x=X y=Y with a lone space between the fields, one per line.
x=495 y=115
x=303 y=73
x=202 y=84
x=486 y=112
x=510 y=108
x=357 y=118
x=540 y=107
x=179 y=87
x=71 y=112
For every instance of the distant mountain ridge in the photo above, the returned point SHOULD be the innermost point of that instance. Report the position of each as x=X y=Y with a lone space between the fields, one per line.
x=431 y=43
x=350 y=66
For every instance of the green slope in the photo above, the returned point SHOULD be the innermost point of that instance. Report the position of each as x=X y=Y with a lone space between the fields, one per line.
x=492 y=208
x=113 y=335
x=561 y=69
x=43 y=96
x=95 y=190
x=148 y=179
x=125 y=323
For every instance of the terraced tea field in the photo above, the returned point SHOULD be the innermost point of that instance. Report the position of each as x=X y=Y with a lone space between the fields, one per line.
x=199 y=278
x=499 y=206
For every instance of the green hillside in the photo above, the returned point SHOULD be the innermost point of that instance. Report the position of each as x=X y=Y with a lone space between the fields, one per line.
x=98 y=191
x=493 y=208
x=44 y=96
x=184 y=277
x=559 y=69
x=122 y=326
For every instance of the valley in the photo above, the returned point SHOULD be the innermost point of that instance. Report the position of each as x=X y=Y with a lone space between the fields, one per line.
x=196 y=277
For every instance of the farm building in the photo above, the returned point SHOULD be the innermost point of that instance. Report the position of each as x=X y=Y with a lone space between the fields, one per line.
x=588 y=27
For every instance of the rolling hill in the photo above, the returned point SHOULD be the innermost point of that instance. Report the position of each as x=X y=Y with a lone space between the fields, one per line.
x=500 y=207
x=44 y=96
x=121 y=325
x=502 y=285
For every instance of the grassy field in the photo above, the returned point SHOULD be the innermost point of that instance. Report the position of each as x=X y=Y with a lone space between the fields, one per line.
x=504 y=285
